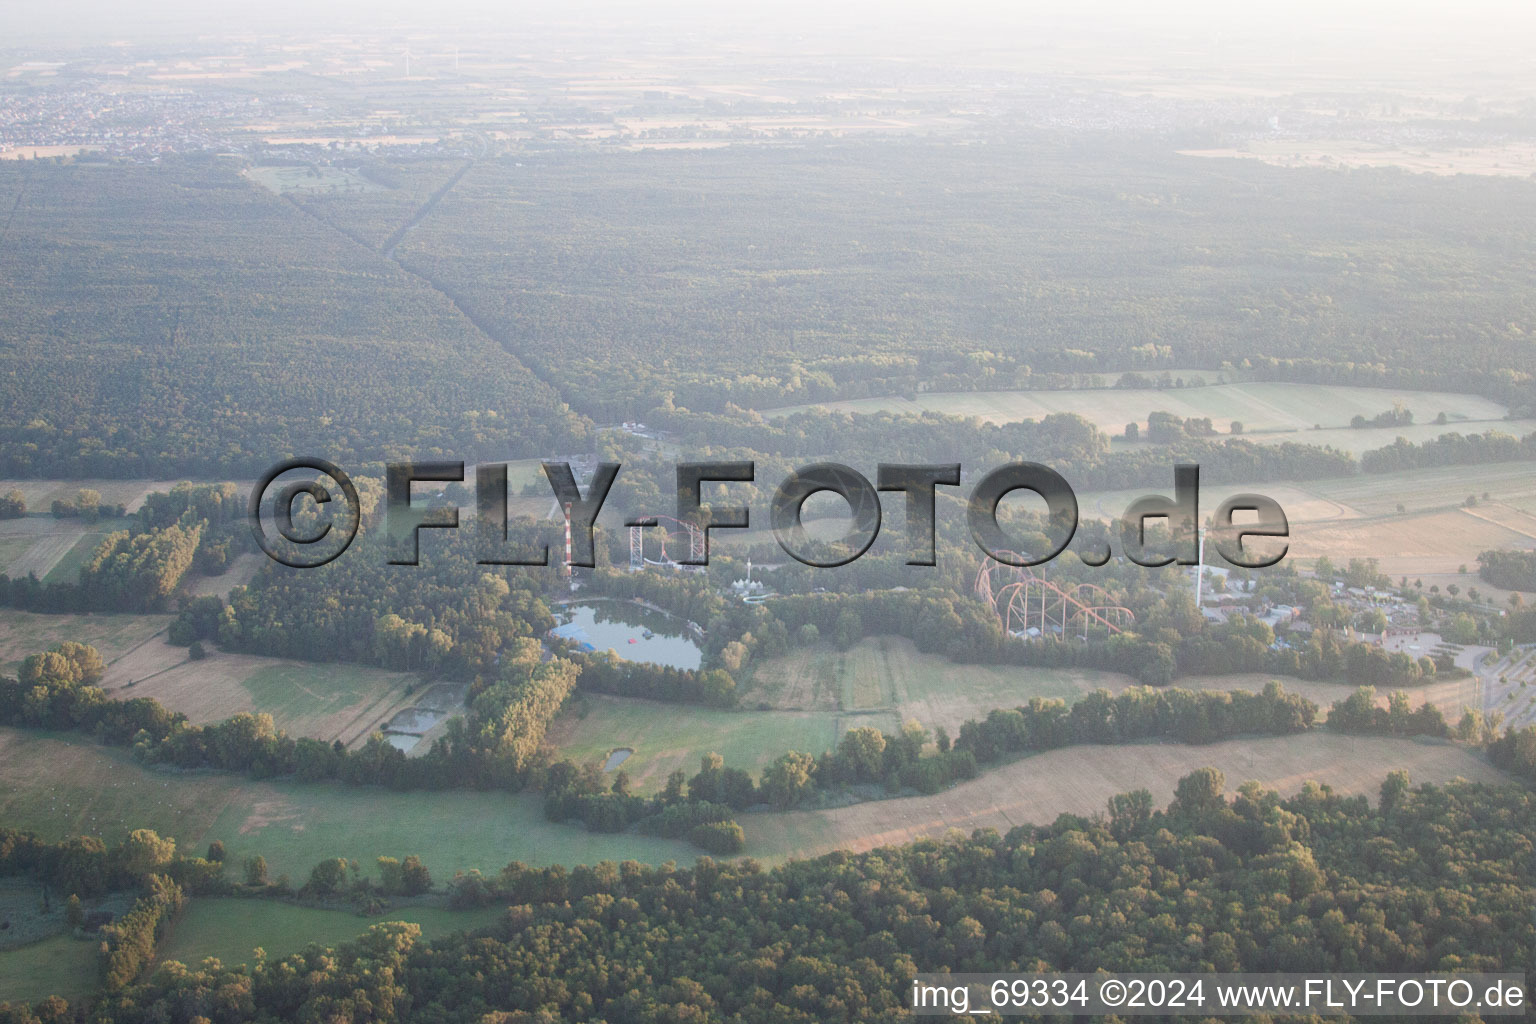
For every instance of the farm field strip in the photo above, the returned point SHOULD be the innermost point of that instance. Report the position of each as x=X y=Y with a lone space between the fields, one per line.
x=41 y=494
x=1292 y=409
x=51 y=549
x=48 y=551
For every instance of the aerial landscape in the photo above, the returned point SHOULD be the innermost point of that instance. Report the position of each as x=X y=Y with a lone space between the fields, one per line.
x=453 y=558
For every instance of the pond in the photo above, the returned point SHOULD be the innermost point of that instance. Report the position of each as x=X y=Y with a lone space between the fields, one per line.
x=617 y=758
x=402 y=741
x=632 y=632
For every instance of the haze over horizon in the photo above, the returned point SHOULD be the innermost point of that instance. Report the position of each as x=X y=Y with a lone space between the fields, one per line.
x=1357 y=40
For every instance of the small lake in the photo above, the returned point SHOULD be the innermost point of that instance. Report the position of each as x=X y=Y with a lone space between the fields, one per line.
x=630 y=631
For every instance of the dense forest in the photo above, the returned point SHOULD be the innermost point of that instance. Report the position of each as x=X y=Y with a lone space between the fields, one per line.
x=764 y=277
x=1431 y=879
x=649 y=284
x=175 y=320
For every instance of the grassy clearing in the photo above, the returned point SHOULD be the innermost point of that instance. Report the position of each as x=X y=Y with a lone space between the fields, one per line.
x=24 y=633
x=60 y=966
x=230 y=929
x=325 y=701
x=62 y=786
x=665 y=737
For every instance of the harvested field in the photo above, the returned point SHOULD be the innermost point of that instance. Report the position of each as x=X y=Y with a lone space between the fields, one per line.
x=1302 y=502
x=1259 y=406
x=1080 y=780
x=51 y=549
x=1446 y=487
x=1434 y=542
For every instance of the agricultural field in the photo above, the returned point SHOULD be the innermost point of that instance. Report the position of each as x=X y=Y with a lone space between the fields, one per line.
x=1290 y=410
x=62 y=786
x=1509 y=483
x=1432 y=537
x=805 y=701
x=24 y=633
x=1409 y=545
x=230 y=929
x=1357 y=441
x=324 y=701
x=665 y=737
x=51 y=549
x=888 y=673
x=1080 y=780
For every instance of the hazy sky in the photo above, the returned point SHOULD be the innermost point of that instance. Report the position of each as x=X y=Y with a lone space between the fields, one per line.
x=1483 y=35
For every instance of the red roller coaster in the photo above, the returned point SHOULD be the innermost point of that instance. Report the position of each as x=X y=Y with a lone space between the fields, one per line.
x=1030 y=605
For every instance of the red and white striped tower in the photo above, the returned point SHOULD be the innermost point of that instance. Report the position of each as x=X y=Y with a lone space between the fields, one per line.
x=568 y=538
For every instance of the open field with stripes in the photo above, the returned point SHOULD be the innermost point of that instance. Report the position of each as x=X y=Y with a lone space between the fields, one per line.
x=1293 y=410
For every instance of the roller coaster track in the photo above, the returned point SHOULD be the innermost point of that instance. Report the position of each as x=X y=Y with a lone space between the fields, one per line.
x=1025 y=601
